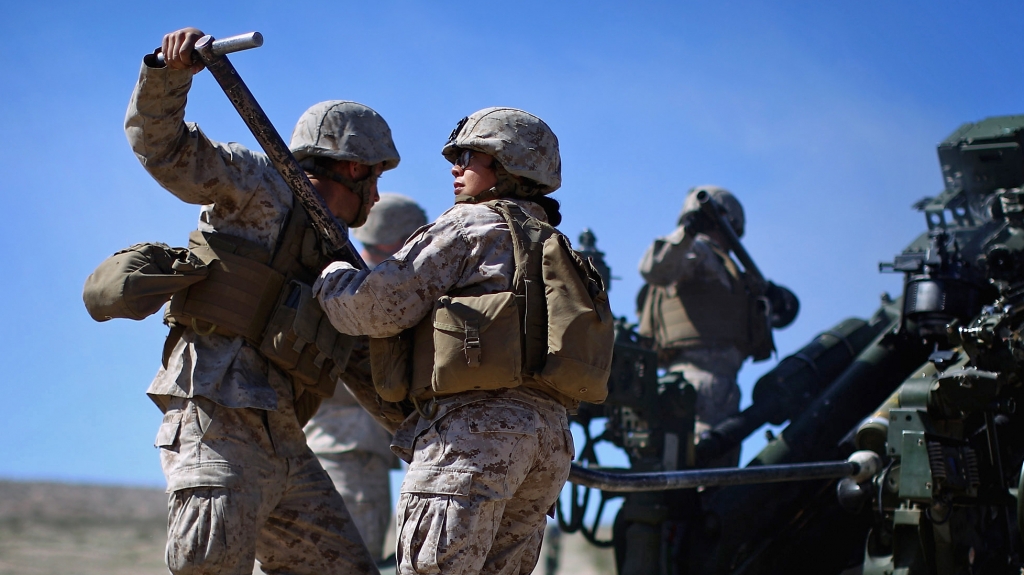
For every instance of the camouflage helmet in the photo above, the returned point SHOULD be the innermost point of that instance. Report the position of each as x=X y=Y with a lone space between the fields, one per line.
x=521 y=142
x=342 y=130
x=392 y=220
x=724 y=198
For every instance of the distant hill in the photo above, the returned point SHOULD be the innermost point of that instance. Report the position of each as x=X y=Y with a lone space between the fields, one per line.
x=62 y=529
x=57 y=528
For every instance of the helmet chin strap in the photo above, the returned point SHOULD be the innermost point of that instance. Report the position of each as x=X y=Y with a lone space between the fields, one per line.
x=484 y=196
x=362 y=189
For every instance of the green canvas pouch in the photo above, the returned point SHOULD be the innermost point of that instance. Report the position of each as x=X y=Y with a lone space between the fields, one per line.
x=136 y=282
x=477 y=343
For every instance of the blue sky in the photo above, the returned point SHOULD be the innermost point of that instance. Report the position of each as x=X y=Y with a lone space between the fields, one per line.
x=821 y=117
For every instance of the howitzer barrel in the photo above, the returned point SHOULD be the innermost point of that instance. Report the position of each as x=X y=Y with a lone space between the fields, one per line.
x=786 y=390
x=860 y=465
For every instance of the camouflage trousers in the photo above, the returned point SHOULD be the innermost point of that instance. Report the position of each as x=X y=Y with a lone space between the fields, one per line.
x=244 y=486
x=713 y=375
x=362 y=478
x=481 y=479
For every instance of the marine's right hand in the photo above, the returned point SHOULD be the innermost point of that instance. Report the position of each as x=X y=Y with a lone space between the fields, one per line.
x=177 y=49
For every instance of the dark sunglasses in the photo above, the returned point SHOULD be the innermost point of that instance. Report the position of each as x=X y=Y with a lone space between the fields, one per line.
x=463 y=159
x=466 y=156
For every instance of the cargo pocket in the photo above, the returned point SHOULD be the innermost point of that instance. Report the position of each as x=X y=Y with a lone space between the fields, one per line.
x=437 y=521
x=167 y=435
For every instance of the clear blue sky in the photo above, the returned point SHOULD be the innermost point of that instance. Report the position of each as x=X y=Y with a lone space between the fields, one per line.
x=821 y=116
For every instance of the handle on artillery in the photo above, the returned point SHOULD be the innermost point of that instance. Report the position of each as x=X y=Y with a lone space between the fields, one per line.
x=231 y=45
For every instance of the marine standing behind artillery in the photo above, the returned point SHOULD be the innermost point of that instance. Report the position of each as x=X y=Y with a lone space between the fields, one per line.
x=706 y=314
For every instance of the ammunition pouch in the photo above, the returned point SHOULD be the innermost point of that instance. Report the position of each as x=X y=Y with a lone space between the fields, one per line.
x=136 y=282
x=476 y=343
x=301 y=341
x=243 y=296
x=391 y=366
x=466 y=343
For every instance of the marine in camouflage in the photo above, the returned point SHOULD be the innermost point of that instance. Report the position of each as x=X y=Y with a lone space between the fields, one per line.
x=243 y=484
x=486 y=466
x=682 y=258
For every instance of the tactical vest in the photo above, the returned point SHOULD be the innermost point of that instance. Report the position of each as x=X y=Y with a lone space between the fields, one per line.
x=267 y=299
x=706 y=314
x=553 y=331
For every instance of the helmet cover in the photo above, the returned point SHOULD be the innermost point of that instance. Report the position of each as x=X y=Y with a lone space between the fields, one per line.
x=342 y=130
x=521 y=142
x=722 y=197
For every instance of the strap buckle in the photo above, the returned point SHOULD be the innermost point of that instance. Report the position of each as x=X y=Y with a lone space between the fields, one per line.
x=472 y=344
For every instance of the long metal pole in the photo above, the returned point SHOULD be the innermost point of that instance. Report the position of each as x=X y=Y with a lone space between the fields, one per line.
x=333 y=232
x=710 y=208
x=616 y=482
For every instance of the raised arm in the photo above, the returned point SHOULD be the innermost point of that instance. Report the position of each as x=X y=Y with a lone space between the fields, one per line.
x=177 y=153
x=682 y=257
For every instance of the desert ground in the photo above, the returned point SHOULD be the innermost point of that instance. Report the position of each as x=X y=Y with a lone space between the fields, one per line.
x=57 y=528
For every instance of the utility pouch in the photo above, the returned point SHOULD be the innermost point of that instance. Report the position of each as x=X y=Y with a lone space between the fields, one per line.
x=300 y=340
x=391 y=365
x=581 y=331
x=136 y=282
x=577 y=334
x=477 y=343
x=237 y=297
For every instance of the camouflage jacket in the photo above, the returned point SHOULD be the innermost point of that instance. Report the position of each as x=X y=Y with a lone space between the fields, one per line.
x=679 y=258
x=241 y=194
x=468 y=245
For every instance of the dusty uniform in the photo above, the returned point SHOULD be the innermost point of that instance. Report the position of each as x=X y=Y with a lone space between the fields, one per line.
x=676 y=263
x=243 y=484
x=487 y=465
x=355 y=450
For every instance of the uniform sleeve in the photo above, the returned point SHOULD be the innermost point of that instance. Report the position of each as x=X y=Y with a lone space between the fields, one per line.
x=177 y=154
x=679 y=257
x=399 y=292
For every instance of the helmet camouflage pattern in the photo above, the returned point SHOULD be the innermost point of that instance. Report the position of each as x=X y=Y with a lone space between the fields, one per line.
x=521 y=142
x=392 y=220
x=724 y=198
x=342 y=130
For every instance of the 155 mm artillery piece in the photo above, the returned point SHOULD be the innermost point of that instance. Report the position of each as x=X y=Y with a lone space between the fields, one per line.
x=928 y=384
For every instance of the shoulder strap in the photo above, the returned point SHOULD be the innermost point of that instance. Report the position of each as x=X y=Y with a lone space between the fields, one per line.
x=528 y=235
